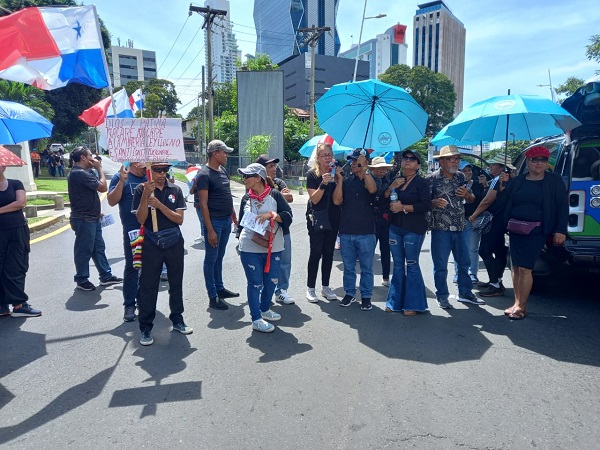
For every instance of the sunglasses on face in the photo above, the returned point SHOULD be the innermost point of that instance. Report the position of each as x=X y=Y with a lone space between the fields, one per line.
x=246 y=176
x=453 y=159
x=539 y=159
x=409 y=158
x=160 y=169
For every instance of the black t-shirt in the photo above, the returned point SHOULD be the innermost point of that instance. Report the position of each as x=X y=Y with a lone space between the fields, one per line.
x=83 y=194
x=279 y=184
x=14 y=219
x=528 y=202
x=171 y=196
x=313 y=181
x=358 y=207
x=220 y=201
x=497 y=208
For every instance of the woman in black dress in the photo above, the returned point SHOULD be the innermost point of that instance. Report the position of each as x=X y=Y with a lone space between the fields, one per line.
x=537 y=208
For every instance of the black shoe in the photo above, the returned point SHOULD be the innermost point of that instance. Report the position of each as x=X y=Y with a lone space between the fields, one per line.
x=365 y=304
x=347 y=300
x=492 y=291
x=226 y=293
x=112 y=280
x=86 y=286
x=217 y=303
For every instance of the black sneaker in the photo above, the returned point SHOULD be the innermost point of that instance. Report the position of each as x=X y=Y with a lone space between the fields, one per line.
x=86 y=286
x=112 y=280
x=217 y=303
x=492 y=291
x=146 y=338
x=129 y=314
x=347 y=300
x=182 y=328
x=226 y=293
x=4 y=310
x=365 y=304
x=25 y=311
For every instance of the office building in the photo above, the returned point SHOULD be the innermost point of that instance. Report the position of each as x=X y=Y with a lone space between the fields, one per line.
x=439 y=44
x=127 y=64
x=277 y=22
x=225 y=51
x=385 y=50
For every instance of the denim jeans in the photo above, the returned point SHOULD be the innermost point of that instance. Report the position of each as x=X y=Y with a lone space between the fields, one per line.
x=130 y=275
x=213 y=256
x=442 y=244
x=285 y=266
x=89 y=244
x=382 y=230
x=363 y=247
x=407 y=288
x=261 y=285
x=201 y=219
x=473 y=247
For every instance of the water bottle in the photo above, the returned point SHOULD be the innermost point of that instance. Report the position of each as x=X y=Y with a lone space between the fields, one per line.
x=332 y=166
x=394 y=197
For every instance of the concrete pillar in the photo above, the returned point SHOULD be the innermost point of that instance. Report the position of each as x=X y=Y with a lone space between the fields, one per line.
x=25 y=174
x=59 y=202
x=30 y=211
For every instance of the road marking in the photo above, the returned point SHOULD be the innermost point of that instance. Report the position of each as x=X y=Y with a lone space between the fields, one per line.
x=61 y=229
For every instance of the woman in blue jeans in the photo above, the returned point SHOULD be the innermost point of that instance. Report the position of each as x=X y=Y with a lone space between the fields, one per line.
x=407 y=233
x=261 y=254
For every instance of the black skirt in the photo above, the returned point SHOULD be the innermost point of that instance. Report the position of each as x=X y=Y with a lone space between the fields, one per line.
x=525 y=249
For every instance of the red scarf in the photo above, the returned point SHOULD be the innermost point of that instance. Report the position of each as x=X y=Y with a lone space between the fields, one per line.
x=260 y=198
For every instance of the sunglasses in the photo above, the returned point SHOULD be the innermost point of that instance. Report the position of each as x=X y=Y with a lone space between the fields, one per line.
x=409 y=158
x=246 y=176
x=160 y=169
x=452 y=159
x=539 y=159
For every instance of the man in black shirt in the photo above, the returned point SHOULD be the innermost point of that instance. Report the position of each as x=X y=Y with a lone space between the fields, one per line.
x=84 y=186
x=216 y=203
x=356 y=194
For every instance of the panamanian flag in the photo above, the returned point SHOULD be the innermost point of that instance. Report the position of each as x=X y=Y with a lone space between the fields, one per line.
x=96 y=115
x=52 y=47
x=137 y=100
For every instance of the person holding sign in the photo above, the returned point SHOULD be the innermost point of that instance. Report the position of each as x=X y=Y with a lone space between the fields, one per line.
x=162 y=246
x=216 y=204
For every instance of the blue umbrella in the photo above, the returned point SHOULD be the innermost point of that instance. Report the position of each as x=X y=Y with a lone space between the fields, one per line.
x=371 y=114
x=526 y=116
x=18 y=123
x=442 y=139
x=308 y=147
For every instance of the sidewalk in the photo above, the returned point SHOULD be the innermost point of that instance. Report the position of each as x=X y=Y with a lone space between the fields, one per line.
x=50 y=215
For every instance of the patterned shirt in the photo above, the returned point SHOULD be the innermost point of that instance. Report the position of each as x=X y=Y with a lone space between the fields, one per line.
x=452 y=217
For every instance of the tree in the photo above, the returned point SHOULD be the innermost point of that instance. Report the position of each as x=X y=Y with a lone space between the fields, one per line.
x=260 y=62
x=257 y=145
x=160 y=97
x=433 y=91
x=226 y=129
x=569 y=87
x=225 y=98
x=592 y=50
x=26 y=95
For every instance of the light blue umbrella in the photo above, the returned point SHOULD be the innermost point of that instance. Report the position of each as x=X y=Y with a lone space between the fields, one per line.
x=308 y=147
x=371 y=114
x=442 y=139
x=526 y=116
x=19 y=123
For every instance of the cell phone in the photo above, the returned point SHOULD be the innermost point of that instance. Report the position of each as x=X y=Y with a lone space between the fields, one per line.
x=126 y=164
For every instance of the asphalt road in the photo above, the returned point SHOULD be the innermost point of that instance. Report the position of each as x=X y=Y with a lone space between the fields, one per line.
x=328 y=377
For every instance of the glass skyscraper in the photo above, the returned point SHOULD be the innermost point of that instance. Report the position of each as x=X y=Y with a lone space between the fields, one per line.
x=277 y=22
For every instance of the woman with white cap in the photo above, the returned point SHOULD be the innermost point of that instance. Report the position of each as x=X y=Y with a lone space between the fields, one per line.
x=261 y=253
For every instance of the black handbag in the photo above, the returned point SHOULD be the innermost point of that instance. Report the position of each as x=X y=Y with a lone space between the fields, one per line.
x=320 y=220
x=164 y=239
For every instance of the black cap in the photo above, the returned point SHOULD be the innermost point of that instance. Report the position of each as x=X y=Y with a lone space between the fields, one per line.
x=415 y=154
x=357 y=152
x=265 y=159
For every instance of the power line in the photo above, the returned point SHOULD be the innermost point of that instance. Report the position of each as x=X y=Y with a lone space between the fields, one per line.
x=166 y=57
x=184 y=52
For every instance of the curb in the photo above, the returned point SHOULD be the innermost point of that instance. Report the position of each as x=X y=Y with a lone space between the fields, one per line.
x=38 y=226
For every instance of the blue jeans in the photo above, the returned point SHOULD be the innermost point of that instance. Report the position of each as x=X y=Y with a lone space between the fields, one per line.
x=363 y=247
x=473 y=247
x=89 y=244
x=130 y=275
x=407 y=288
x=201 y=219
x=442 y=244
x=285 y=266
x=261 y=285
x=213 y=256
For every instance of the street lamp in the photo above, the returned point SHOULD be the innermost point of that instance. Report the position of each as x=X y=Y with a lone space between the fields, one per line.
x=378 y=16
x=552 y=95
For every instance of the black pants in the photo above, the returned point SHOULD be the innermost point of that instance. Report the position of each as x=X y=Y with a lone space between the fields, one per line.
x=14 y=264
x=152 y=261
x=493 y=250
x=322 y=245
x=35 y=166
x=382 y=233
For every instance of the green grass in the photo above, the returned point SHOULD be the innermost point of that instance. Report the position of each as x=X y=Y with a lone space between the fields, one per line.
x=180 y=177
x=32 y=220
x=40 y=201
x=52 y=184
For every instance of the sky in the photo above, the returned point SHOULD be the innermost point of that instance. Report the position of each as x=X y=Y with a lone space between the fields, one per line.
x=510 y=44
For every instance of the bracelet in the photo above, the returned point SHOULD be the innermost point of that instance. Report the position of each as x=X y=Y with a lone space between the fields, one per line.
x=404 y=209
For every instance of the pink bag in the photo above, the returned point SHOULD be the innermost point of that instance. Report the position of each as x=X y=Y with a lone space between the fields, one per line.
x=521 y=226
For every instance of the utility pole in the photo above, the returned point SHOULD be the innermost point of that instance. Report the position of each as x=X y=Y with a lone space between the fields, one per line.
x=209 y=15
x=311 y=37
x=202 y=131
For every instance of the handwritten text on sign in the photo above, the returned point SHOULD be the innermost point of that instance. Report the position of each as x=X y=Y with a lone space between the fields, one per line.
x=145 y=140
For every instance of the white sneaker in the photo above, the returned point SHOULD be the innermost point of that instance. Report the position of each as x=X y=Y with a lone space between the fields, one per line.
x=328 y=293
x=270 y=315
x=261 y=325
x=385 y=282
x=311 y=295
x=199 y=240
x=285 y=298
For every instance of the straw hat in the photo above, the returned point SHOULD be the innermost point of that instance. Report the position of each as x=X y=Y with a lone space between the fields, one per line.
x=379 y=162
x=499 y=159
x=448 y=150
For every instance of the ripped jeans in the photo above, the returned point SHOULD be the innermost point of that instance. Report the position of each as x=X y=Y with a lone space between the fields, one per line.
x=407 y=289
x=261 y=285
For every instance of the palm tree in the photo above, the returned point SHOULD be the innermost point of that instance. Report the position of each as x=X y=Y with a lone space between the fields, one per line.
x=26 y=95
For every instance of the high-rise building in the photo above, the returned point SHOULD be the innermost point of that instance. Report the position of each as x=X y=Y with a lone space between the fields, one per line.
x=225 y=51
x=277 y=24
x=127 y=64
x=385 y=50
x=439 y=44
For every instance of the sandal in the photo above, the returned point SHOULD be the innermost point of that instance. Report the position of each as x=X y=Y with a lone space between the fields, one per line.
x=509 y=311
x=517 y=315
x=408 y=312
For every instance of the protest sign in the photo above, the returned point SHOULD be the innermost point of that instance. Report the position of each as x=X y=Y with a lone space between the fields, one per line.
x=144 y=139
